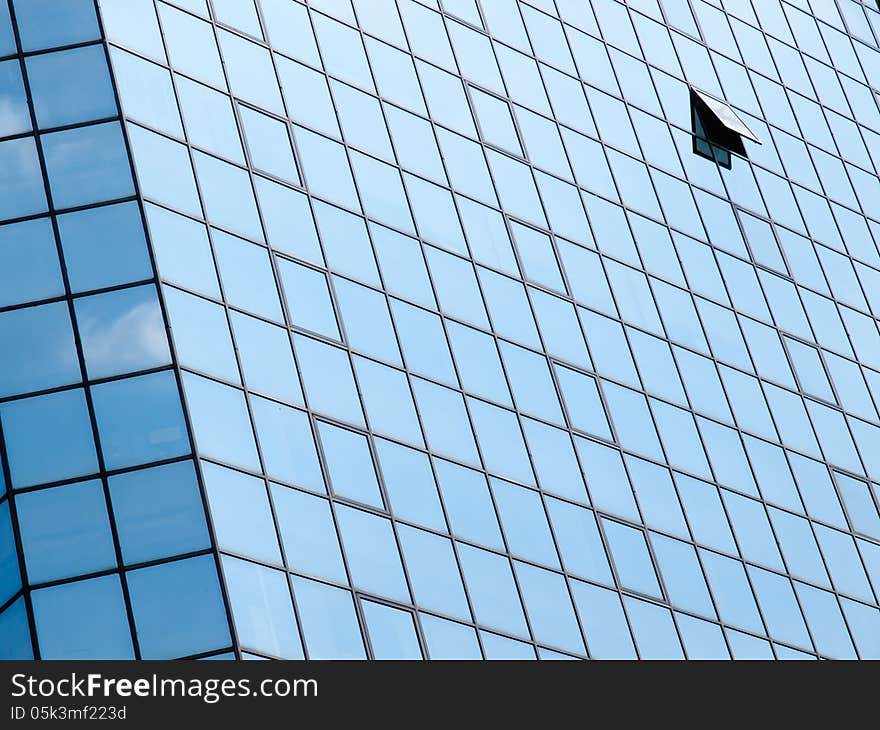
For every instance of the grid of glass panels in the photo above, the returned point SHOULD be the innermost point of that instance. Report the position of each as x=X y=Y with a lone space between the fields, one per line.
x=481 y=359
x=104 y=544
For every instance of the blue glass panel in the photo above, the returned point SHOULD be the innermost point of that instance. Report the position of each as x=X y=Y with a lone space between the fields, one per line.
x=308 y=534
x=16 y=116
x=122 y=331
x=15 y=638
x=95 y=607
x=287 y=444
x=47 y=23
x=392 y=632
x=140 y=420
x=69 y=87
x=240 y=513
x=221 y=426
x=21 y=184
x=178 y=608
x=65 y=531
x=158 y=512
x=40 y=350
x=104 y=247
x=87 y=165
x=372 y=552
x=329 y=622
x=61 y=419
x=29 y=268
x=262 y=609
x=10 y=575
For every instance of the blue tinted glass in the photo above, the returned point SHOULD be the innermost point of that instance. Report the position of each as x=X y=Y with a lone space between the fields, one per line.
x=492 y=589
x=392 y=632
x=266 y=358
x=433 y=572
x=95 y=607
x=308 y=298
x=48 y=23
x=41 y=352
x=10 y=575
x=240 y=513
x=71 y=86
x=61 y=419
x=164 y=170
x=350 y=464
x=201 y=335
x=29 y=267
x=87 y=165
x=178 y=608
x=158 y=512
x=122 y=331
x=104 y=246
x=329 y=621
x=228 y=196
x=262 y=609
x=287 y=444
x=410 y=484
x=308 y=534
x=21 y=185
x=449 y=640
x=15 y=640
x=182 y=250
x=328 y=380
x=247 y=276
x=16 y=117
x=140 y=420
x=372 y=552
x=220 y=421
x=65 y=531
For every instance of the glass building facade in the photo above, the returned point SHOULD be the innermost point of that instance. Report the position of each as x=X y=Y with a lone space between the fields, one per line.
x=429 y=329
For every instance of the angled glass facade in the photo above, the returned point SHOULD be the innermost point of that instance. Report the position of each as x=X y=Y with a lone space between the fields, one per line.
x=439 y=329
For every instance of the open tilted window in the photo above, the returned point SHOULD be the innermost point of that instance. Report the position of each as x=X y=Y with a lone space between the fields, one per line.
x=717 y=128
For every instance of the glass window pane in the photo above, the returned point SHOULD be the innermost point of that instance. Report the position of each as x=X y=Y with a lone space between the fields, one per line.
x=240 y=513
x=65 y=531
x=261 y=608
x=372 y=553
x=97 y=610
x=178 y=608
x=69 y=87
x=104 y=247
x=140 y=420
x=29 y=268
x=46 y=23
x=22 y=191
x=16 y=116
x=87 y=165
x=122 y=331
x=350 y=464
x=60 y=419
x=392 y=632
x=158 y=512
x=308 y=533
x=40 y=351
x=329 y=622
x=221 y=426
